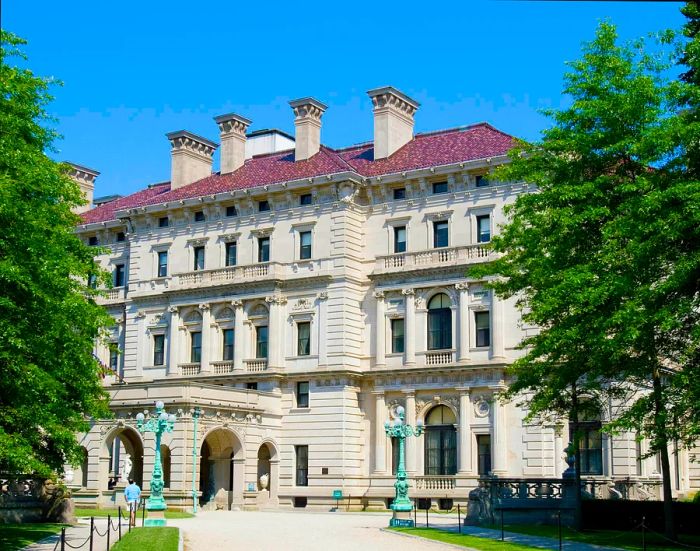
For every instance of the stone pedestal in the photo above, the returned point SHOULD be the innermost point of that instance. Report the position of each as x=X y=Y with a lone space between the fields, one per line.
x=403 y=519
x=155 y=518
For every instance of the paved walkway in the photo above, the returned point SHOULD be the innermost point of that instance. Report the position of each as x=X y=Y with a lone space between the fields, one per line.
x=76 y=535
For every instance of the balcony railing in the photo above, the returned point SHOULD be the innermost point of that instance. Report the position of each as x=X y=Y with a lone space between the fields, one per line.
x=223 y=367
x=434 y=482
x=190 y=369
x=440 y=357
x=117 y=294
x=257 y=364
x=432 y=258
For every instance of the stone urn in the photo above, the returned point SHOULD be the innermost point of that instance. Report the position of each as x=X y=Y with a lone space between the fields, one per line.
x=264 y=481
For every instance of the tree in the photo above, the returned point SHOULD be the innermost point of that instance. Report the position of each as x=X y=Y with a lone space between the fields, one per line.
x=48 y=317
x=587 y=254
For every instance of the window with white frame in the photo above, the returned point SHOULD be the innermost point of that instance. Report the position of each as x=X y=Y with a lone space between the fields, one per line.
x=483 y=228
x=303 y=338
x=441 y=236
x=162 y=269
x=482 y=323
x=305 y=245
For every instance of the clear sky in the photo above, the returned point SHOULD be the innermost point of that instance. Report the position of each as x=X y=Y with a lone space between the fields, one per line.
x=133 y=71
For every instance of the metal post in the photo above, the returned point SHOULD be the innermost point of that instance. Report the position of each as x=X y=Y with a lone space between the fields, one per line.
x=502 y=533
x=92 y=530
x=63 y=539
x=644 y=534
x=415 y=516
x=427 y=523
x=559 y=523
x=109 y=529
x=459 y=522
x=143 y=513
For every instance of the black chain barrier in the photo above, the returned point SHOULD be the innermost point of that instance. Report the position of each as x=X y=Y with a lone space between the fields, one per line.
x=111 y=526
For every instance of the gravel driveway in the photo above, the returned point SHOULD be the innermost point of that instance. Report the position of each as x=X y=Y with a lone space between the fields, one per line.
x=292 y=530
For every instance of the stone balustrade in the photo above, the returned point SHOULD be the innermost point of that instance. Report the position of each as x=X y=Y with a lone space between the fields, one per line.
x=222 y=367
x=188 y=369
x=431 y=258
x=439 y=357
x=255 y=365
x=434 y=482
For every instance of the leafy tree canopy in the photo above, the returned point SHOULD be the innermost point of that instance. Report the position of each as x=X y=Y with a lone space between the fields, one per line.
x=48 y=318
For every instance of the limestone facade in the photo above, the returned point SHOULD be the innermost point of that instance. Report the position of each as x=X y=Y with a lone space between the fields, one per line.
x=284 y=323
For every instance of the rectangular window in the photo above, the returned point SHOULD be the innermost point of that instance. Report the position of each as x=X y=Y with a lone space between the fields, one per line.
x=199 y=216
x=302 y=465
x=163 y=222
x=92 y=241
x=263 y=206
x=440 y=234
x=399 y=193
x=261 y=341
x=305 y=199
x=231 y=253
x=399 y=239
x=638 y=449
x=158 y=349
x=263 y=249
x=483 y=447
x=483 y=228
x=303 y=394
x=591 y=446
x=481 y=181
x=119 y=275
x=121 y=237
x=303 y=338
x=440 y=187
x=304 y=245
x=482 y=323
x=113 y=358
x=195 y=347
x=162 y=263
x=228 y=345
x=92 y=281
x=199 y=258
x=251 y=386
x=231 y=211
x=397 y=336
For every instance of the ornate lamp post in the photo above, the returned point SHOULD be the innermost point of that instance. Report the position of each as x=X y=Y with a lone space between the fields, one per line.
x=158 y=424
x=402 y=505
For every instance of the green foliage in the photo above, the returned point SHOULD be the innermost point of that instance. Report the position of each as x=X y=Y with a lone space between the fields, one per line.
x=154 y=538
x=48 y=318
x=470 y=542
x=14 y=537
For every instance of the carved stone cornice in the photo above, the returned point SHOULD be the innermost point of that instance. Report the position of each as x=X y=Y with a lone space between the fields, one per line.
x=308 y=109
x=229 y=237
x=232 y=124
x=237 y=303
x=379 y=295
x=462 y=286
x=174 y=309
x=204 y=307
x=198 y=242
x=323 y=295
x=262 y=232
x=437 y=216
x=408 y=292
x=276 y=299
x=184 y=140
x=390 y=98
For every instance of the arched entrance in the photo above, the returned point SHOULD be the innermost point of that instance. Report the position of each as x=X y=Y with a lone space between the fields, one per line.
x=122 y=458
x=268 y=473
x=221 y=470
x=440 y=442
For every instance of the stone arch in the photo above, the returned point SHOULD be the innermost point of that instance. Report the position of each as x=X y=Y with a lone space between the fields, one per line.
x=166 y=463
x=440 y=441
x=123 y=450
x=224 y=312
x=449 y=291
x=267 y=464
x=422 y=413
x=221 y=469
x=80 y=469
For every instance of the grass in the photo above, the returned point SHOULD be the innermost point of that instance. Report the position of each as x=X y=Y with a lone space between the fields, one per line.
x=155 y=538
x=482 y=544
x=613 y=538
x=18 y=536
x=79 y=512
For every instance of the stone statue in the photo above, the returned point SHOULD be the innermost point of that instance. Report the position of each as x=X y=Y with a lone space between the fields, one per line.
x=127 y=468
x=264 y=481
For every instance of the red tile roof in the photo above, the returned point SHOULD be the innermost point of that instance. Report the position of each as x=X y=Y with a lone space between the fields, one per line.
x=434 y=149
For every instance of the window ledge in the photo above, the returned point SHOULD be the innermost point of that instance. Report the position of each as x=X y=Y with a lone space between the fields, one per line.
x=299 y=410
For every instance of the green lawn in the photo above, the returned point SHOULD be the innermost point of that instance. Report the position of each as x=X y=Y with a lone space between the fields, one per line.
x=18 y=536
x=156 y=538
x=625 y=540
x=125 y=512
x=465 y=541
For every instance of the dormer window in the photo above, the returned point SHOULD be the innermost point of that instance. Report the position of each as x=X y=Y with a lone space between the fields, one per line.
x=440 y=187
x=163 y=222
x=231 y=211
x=481 y=181
x=399 y=193
x=121 y=237
x=92 y=241
x=199 y=216
x=263 y=206
x=305 y=199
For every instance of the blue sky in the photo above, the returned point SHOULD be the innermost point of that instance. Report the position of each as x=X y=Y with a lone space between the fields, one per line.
x=133 y=71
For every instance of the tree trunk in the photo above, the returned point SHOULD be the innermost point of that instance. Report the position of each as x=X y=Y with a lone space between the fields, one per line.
x=661 y=442
x=577 y=457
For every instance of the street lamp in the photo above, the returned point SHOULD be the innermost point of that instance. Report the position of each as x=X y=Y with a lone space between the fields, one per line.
x=158 y=424
x=402 y=505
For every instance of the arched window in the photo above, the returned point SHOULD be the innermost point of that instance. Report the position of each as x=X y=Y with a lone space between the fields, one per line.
x=590 y=442
x=166 y=464
x=440 y=442
x=439 y=322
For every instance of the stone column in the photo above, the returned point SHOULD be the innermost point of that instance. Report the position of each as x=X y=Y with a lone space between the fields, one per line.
x=411 y=441
x=463 y=289
x=380 y=337
x=410 y=327
x=499 y=440
x=206 y=336
x=142 y=342
x=380 y=438
x=322 y=322
x=275 y=331
x=497 y=327
x=559 y=464
x=464 y=451
x=237 y=335
x=173 y=330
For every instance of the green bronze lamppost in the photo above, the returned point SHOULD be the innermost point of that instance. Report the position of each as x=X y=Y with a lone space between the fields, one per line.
x=158 y=424
x=402 y=505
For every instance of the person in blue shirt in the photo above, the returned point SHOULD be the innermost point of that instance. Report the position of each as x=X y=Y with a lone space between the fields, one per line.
x=132 y=495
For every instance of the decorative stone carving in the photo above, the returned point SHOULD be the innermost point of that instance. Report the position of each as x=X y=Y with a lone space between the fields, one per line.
x=462 y=286
x=378 y=295
x=262 y=232
x=303 y=303
x=276 y=299
x=481 y=407
x=237 y=303
x=197 y=242
x=203 y=307
x=229 y=237
x=437 y=216
x=173 y=309
x=323 y=295
x=408 y=292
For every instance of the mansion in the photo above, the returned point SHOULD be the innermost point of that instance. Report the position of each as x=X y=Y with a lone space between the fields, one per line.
x=284 y=306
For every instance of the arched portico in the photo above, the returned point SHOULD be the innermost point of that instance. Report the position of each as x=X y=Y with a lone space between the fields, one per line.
x=121 y=457
x=221 y=470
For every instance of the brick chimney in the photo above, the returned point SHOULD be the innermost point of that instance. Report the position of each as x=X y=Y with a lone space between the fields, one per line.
x=190 y=159
x=232 y=130
x=307 y=122
x=85 y=178
x=393 y=120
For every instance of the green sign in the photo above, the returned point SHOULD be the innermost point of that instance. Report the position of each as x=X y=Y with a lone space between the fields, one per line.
x=337 y=494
